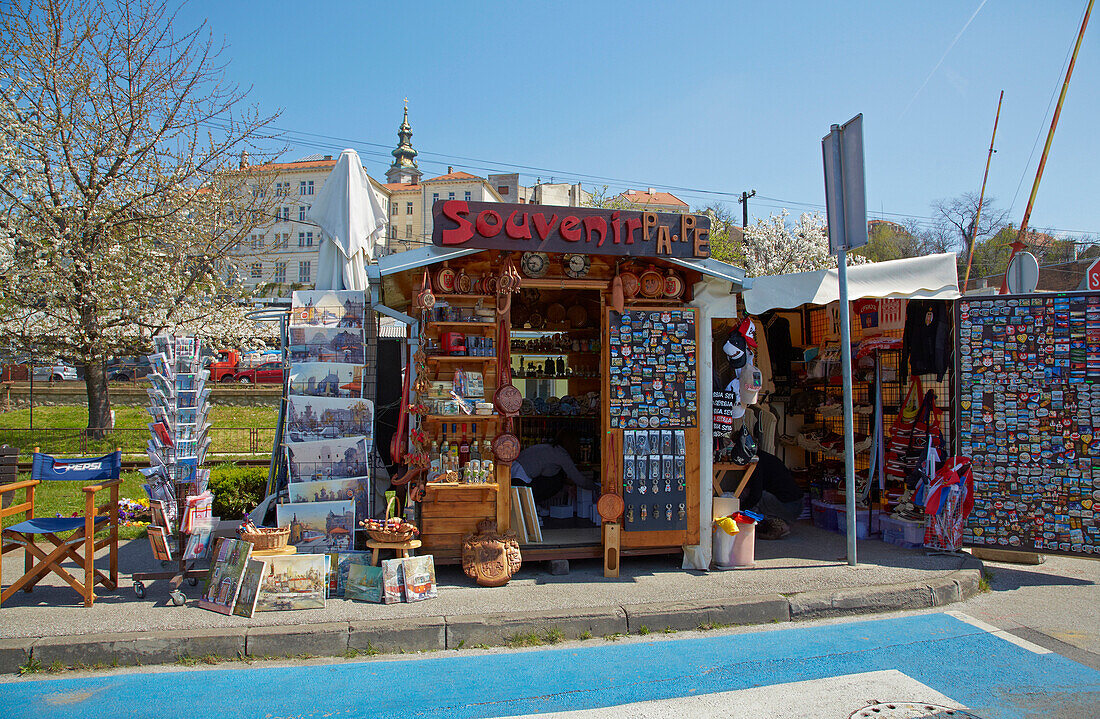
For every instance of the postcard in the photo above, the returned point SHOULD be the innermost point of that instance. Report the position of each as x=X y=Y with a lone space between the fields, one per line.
x=159 y=515
x=326 y=344
x=326 y=379
x=364 y=583
x=227 y=567
x=250 y=588
x=293 y=581
x=309 y=419
x=318 y=526
x=328 y=459
x=327 y=308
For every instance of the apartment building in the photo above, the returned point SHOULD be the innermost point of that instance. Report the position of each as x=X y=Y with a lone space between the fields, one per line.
x=281 y=255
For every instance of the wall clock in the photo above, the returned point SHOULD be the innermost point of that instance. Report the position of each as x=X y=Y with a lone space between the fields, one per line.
x=534 y=264
x=577 y=266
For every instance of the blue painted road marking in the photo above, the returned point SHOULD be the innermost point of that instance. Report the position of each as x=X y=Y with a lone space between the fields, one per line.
x=973 y=667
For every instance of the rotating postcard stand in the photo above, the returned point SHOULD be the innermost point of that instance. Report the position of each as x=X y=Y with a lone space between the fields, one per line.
x=181 y=507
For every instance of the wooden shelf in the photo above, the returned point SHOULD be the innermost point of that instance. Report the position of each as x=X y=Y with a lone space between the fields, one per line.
x=464 y=418
x=461 y=485
x=515 y=377
x=569 y=353
x=576 y=417
x=441 y=297
x=462 y=325
x=445 y=358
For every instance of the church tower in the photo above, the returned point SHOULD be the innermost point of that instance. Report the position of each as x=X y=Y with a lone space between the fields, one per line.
x=404 y=168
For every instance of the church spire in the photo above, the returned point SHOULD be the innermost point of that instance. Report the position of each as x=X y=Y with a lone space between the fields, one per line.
x=404 y=168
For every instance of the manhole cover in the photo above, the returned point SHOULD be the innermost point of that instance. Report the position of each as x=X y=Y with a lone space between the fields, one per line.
x=909 y=710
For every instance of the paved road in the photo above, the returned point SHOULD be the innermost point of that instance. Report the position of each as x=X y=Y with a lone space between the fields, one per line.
x=829 y=670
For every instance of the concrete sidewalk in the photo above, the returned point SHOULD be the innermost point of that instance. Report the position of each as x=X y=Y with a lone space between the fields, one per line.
x=803 y=576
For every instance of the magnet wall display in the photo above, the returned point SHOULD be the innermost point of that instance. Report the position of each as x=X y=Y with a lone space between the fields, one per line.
x=652 y=369
x=1029 y=414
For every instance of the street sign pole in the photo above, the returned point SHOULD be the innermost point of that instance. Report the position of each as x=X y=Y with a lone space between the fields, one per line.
x=845 y=200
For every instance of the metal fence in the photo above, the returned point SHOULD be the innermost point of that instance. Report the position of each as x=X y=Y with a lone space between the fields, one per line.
x=77 y=441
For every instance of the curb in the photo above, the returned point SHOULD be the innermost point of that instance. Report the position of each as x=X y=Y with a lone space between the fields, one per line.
x=437 y=633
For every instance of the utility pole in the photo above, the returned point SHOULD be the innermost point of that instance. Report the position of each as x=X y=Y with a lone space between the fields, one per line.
x=744 y=200
x=981 y=196
x=1019 y=243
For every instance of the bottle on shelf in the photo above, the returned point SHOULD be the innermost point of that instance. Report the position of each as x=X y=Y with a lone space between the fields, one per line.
x=463 y=448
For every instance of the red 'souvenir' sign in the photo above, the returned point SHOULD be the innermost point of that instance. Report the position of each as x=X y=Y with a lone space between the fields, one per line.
x=581 y=230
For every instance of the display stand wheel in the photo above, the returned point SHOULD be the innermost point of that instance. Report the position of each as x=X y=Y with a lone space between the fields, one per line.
x=139 y=590
x=178 y=598
x=193 y=581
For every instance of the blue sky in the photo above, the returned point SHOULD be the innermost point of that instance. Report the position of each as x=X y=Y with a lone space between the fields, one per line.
x=717 y=97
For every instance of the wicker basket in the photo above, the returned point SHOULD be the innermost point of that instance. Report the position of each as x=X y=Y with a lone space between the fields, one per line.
x=267 y=538
x=379 y=535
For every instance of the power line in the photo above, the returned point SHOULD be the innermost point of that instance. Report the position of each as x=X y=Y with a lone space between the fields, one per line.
x=337 y=143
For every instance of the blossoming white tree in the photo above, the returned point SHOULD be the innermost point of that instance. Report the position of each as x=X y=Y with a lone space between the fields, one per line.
x=774 y=247
x=118 y=206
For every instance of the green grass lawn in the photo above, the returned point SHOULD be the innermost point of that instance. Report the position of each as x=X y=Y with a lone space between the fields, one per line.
x=235 y=431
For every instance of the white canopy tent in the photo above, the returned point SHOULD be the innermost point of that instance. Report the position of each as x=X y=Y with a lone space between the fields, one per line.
x=353 y=220
x=932 y=277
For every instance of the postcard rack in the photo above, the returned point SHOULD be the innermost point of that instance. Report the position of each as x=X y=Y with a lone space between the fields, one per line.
x=175 y=481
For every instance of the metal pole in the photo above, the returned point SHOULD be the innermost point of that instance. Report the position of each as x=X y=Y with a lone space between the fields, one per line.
x=31 y=377
x=845 y=349
x=981 y=195
x=846 y=378
x=1019 y=243
x=744 y=200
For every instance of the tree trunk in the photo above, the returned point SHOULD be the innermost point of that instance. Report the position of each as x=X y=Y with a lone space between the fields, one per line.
x=99 y=402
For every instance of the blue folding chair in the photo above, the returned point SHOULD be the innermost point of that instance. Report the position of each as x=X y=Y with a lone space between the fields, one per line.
x=103 y=473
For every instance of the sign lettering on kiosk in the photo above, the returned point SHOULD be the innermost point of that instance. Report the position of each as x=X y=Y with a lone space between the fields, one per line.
x=578 y=230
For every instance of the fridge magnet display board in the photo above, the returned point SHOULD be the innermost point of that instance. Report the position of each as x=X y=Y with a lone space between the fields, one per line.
x=1029 y=415
x=653 y=368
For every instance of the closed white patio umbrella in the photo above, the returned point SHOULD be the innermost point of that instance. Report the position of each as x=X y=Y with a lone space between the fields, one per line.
x=353 y=221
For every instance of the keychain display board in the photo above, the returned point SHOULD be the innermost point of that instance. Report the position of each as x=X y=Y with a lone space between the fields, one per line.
x=1029 y=417
x=653 y=376
x=655 y=479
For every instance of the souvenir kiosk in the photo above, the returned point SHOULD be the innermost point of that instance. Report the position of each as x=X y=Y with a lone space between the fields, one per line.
x=528 y=323
x=797 y=331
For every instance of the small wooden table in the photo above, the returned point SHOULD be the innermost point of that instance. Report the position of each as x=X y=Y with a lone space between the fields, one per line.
x=720 y=467
x=402 y=548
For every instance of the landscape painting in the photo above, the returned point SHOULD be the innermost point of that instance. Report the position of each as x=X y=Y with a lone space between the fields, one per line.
x=318 y=526
x=330 y=490
x=310 y=419
x=328 y=459
x=294 y=581
x=326 y=344
x=326 y=379
x=327 y=308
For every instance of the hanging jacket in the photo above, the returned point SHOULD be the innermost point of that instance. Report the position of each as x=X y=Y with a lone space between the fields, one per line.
x=779 y=347
x=927 y=346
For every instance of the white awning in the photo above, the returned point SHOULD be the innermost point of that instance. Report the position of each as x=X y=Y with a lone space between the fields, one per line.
x=931 y=277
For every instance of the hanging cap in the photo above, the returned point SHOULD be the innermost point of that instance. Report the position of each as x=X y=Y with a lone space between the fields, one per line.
x=735 y=349
x=748 y=331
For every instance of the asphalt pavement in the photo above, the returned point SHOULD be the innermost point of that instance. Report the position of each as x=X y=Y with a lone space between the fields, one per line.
x=933 y=663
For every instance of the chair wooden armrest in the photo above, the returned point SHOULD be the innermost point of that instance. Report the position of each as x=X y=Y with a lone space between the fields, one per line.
x=19 y=485
x=103 y=485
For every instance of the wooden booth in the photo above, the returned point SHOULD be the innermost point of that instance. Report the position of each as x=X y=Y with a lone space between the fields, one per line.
x=590 y=315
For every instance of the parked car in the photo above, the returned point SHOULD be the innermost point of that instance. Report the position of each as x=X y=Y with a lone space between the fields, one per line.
x=266 y=373
x=128 y=368
x=55 y=372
